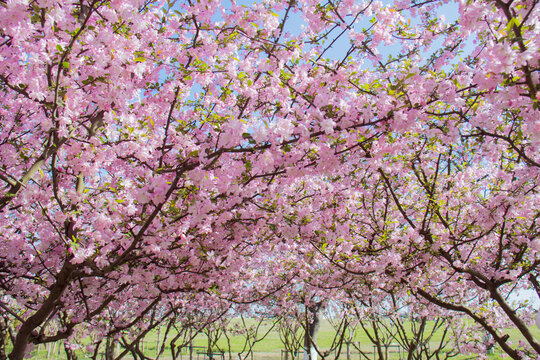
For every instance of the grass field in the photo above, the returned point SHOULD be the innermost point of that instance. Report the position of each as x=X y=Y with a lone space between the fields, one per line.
x=269 y=348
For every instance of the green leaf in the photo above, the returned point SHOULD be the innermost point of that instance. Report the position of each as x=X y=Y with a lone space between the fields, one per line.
x=510 y=25
x=59 y=48
x=140 y=59
x=65 y=64
x=410 y=75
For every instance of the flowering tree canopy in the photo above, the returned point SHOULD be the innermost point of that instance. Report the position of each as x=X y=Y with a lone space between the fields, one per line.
x=155 y=155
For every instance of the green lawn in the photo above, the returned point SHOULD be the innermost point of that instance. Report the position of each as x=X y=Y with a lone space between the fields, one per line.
x=268 y=348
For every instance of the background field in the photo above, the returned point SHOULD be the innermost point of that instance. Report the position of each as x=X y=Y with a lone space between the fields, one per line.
x=269 y=348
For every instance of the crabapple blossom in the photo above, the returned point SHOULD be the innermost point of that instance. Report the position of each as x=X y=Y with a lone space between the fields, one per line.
x=159 y=155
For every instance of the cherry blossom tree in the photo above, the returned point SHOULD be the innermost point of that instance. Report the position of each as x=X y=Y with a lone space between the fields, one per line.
x=152 y=151
x=442 y=197
x=113 y=167
x=420 y=329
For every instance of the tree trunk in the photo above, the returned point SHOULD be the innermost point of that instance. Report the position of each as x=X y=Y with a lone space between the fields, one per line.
x=310 y=338
x=3 y=336
x=190 y=344
x=70 y=354
x=109 y=348
x=24 y=334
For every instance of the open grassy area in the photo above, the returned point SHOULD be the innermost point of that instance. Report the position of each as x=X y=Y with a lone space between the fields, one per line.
x=269 y=348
